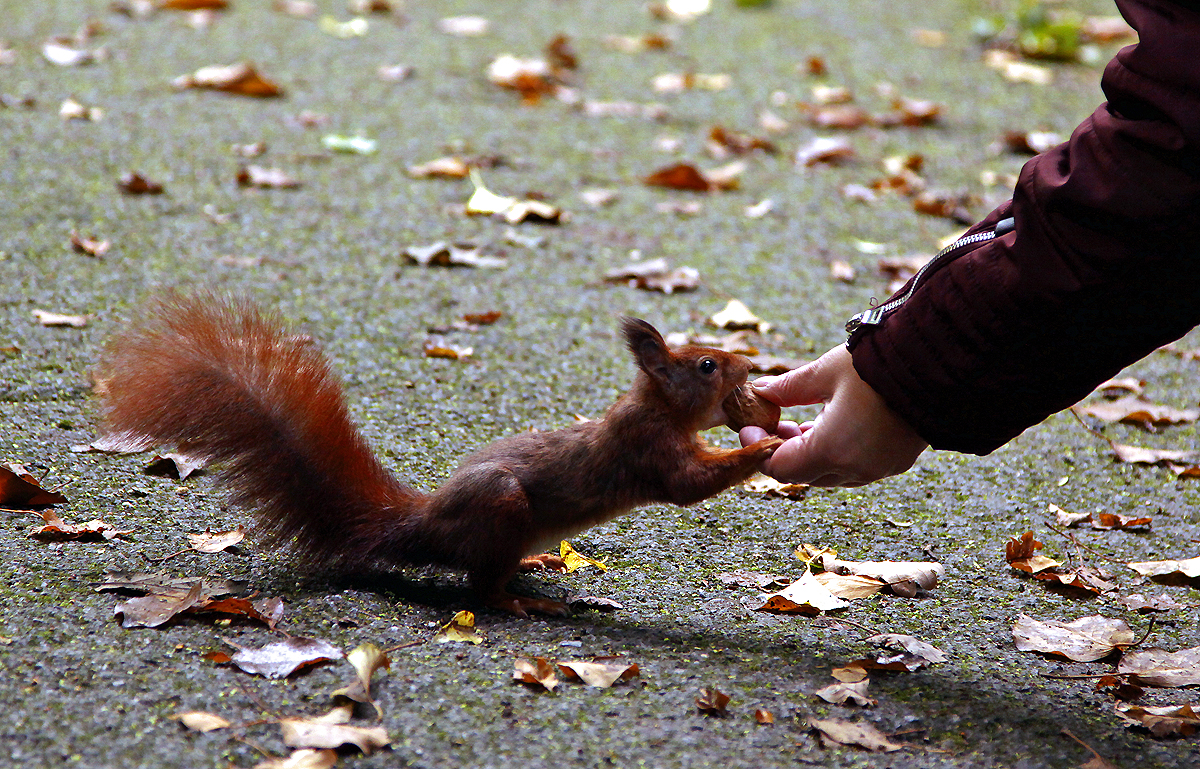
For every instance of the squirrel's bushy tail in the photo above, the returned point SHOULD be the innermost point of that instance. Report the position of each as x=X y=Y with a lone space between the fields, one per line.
x=219 y=379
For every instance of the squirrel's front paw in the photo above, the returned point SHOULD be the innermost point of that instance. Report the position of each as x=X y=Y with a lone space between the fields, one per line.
x=765 y=447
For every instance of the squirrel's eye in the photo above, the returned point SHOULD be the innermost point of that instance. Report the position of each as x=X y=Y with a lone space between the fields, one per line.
x=707 y=366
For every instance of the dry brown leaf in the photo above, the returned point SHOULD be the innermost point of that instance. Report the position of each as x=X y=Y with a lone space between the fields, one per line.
x=712 y=702
x=637 y=43
x=827 y=150
x=901 y=577
x=1159 y=667
x=215 y=542
x=19 y=489
x=849 y=674
x=837 y=116
x=722 y=143
x=1135 y=410
x=538 y=671
x=1020 y=552
x=175 y=465
x=1013 y=69
x=764 y=717
x=1167 y=721
x=448 y=167
x=862 y=735
x=280 y=659
x=839 y=693
x=1143 y=605
x=736 y=316
x=655 y=275
x=601 y=675
x=366 y=658
x=678 y=82
x=241 y=79
x=200 y=721
x=304 y=758
x=684 y=176
x=910 y=644
x=804 y=596
x=266 y=178
x=58 y=530
x=134 y=183
x=89 y=246
x=155 y=610
x=850 y=586
x=948 y=205
x=1114 y=388
x=439 y=348
x=531 y=78
x=1085 y=640
x=321 y=733
x=1183 y=573
x=443 y=254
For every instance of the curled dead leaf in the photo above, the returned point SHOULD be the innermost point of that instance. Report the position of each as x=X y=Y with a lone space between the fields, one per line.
x=19 y=489
x=712 y=702
x=241 y=79
x=1085 y=640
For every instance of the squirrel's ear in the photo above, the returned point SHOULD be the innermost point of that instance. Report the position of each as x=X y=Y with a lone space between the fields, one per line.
x=647 y=346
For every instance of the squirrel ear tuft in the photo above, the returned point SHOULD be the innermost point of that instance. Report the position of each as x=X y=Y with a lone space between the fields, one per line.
x=647 y=346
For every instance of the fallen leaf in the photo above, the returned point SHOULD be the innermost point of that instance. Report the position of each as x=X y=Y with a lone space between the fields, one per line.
x=464 y=26
x=637 y=43
x=304 y=758
x=722 y=143
x=134 y=183
x=343 y=30
x=175 y=465
x=839 y=693
x=862 y=735
x=1143 y=605
x=266 y=610
x=764 y=717
x=449 y=167
x=1030 y=142
x=655 y=275
x=804 y=596
x=1135 y=410
x=1185 y=573
x=825 y=149
x=1165 y=721
x=766 y=485
x=601 y=675
x=574 y=560
x=948 y=205
x=194 y=5
x=318 y=733
x=396 y=73
x=366 y=658
x=678 y=82
x=850 y=586
x=54 y=319
x=594 y=603
x=73 y=110
x=157 y=609
x=531 y=78
x=1159 y=667
x=538 y=671
x=351 y=145
x=513 y=210
x=439 y=348
x=837 y=116
x=1012 y=69
x=460 y=629
x=751 y=579
x=910 y=644
x=215 y=542
x=684 y=176
x=66 y=52
x=19 y=489
x=280 y=659
x=1020 y=552
x=712 y=702
x=901 y=577
x=241 y=79
x=443 y=254
x=266 y=178
x=200 y=721
x=89 y=246
x=1110 y=521
x=1085 y=640
x=160 y=584
x=841 y=271
x=849 y=674
x=736 y=316
x=58 y=530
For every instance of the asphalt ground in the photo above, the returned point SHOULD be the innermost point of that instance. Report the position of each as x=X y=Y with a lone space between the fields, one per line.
x=83 y=691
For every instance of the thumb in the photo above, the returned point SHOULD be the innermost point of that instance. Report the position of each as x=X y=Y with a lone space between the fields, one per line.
x=811 y=383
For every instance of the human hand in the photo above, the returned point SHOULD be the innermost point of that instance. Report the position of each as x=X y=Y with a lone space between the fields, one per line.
x=856 y=439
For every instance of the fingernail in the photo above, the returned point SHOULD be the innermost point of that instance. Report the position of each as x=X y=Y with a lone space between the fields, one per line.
x=765 y=381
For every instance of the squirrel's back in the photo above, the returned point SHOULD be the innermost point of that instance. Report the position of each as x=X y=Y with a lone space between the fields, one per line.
x=219 y=379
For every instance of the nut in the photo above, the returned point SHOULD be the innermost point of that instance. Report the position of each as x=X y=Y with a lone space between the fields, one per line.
x=745 y=407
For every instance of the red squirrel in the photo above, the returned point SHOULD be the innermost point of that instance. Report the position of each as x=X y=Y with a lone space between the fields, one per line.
x=224 y=381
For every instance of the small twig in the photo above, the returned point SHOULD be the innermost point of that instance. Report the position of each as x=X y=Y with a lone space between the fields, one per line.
x=266 y=753
x=1144 y=635
x=860 y=626
x=1085 y=426
x=165 y=557
x=402 y=646
x=1090 y=749
x=1077 y=543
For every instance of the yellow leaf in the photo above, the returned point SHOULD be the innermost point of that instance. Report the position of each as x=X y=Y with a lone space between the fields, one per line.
x=460 y=629
x=574 y=560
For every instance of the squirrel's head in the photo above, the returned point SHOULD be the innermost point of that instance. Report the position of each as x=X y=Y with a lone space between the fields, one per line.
x=693 y=381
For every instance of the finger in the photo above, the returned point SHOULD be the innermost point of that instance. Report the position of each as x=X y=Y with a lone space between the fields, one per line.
x=788 y=429
x=811 y=383
x=751 y=434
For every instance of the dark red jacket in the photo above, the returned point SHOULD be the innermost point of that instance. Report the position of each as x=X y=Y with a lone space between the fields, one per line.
x=1101 y=266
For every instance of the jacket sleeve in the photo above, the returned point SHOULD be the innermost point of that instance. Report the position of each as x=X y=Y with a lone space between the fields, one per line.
x=1101 y=268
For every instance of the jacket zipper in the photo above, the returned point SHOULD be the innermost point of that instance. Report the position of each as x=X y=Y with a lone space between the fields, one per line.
x=875 y=315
